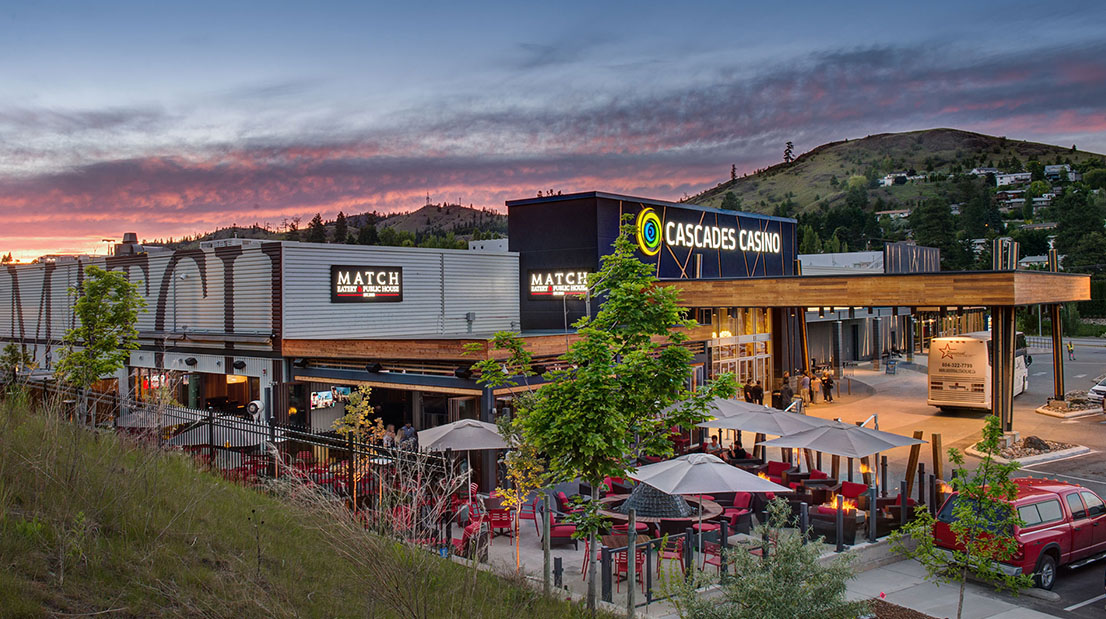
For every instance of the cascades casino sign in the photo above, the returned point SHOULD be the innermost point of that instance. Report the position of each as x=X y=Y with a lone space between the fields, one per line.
x=361 y=284
x=652 y=233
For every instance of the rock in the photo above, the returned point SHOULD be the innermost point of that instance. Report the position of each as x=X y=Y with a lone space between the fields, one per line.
x=1036 y=443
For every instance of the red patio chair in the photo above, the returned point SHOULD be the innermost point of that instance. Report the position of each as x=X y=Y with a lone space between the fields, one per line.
x=673 y=549
x=499 y=519
x=712 y=555
x=622 y=569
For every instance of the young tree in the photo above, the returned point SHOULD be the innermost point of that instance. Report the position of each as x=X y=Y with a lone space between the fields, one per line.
x=341 y=229
x=787 y=564
x=730 y=202
x=359 y=425
x=293 y=231
x=106 y=309
x=316 y=231
x=367 y=235
x=612 y=398
x=15 y=358
x=981 y=519
x=788 y=152
x=733 y=172
x=7 y=258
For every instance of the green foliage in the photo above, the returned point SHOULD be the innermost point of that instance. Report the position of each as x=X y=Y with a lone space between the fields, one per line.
x=316 y=230
x=857 y=181
x=730 y=202
x=106 y=310
x=932 y=223
x=1095 y=179
x=788 y=581
x=367 y=235
x=809 y=242
x=983 y=522
x=358 y=421
x=15 y=358
x=341 y=228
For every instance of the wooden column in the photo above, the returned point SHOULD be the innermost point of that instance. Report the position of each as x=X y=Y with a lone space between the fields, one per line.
x=1002 y=365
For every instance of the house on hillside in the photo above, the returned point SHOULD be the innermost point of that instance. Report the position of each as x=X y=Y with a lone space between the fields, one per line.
x=1016 y=178
x=902 y=213
x=983 y=171
x=894 y=178
x=1062 y=172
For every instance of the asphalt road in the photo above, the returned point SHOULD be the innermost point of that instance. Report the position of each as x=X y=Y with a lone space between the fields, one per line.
x=899 y=401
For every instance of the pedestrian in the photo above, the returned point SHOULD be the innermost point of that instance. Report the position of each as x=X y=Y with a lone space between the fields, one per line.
x=1071 y=351
x=748 y=391
x=408 y=437
x=786 y=393
x=806 y=389
x=758 y=393
x=827 y=387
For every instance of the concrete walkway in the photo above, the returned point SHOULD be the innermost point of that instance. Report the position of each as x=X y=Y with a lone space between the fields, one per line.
x=904 y=584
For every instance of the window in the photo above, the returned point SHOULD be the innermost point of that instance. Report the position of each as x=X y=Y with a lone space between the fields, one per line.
x=1078 y=512
x=1050 y=511
x=1095 y=506
x=1030 y=515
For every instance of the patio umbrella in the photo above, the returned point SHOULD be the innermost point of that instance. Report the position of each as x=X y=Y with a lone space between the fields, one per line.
x=843 y=439
x=722 y=407
x=701 y=474
x=777 y=423
x=463 y=435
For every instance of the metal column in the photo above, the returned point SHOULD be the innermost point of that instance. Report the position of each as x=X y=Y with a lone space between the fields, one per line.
x=487 y=413
x=837 y=347
x=1057 y=335
x=908 y=326
x=802 y=325
x=877 y=341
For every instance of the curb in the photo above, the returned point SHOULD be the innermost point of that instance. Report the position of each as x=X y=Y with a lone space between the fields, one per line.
x=1078 y=450
x=1083 y=412
x=1042 y=594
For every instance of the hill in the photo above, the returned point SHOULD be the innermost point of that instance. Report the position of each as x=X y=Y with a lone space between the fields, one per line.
x=94 y=524
x=820 y=176
x=437 y=225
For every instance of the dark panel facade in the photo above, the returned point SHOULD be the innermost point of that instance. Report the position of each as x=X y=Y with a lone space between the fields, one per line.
x=571 y=233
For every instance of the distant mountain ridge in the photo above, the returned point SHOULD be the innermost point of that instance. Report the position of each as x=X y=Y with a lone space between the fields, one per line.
x=819 y=176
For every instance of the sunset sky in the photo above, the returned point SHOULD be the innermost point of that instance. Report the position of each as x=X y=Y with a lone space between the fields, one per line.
x=167 y=121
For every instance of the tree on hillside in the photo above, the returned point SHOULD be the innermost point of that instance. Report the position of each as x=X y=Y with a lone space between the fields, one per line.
x=367 y=235
x=981 y=519
x=933 y=226
x=316 y=231
x=1076 y=213
x=7 y=258
x=341 y=229
x=809 y=242
x=106 y=310
x=730 y=202
x=1036 y=169
x=733 y=172
x=1095 y=179
x=292 y=229
x=611 y=398
x=788 y=152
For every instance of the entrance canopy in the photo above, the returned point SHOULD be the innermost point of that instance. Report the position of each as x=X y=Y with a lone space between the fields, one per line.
x=943 y=289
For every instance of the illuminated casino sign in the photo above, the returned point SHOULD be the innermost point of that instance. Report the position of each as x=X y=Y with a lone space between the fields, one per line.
x=366 y=284
x=557 y=283
x=652 y=232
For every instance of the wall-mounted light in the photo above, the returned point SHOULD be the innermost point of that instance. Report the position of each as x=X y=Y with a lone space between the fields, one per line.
x=539 y=369
x=239 y=364
x=191 y=361
x=374 y=367
x=464 y=373
x=821 y=312
x=299 y=362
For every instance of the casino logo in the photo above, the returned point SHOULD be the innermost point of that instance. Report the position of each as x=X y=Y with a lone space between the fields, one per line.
x=649 y=232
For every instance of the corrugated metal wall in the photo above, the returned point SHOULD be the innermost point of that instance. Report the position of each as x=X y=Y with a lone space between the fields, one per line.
x=440 y=287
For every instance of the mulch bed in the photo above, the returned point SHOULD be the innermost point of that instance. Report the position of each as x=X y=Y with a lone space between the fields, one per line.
x=886 y=610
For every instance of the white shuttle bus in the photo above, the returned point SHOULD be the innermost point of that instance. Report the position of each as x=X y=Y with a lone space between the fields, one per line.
x=960 y=370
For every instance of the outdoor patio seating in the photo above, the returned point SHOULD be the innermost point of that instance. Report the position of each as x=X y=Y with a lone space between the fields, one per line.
x=560 y=532
x=775 y=470
x=621 y=567
x=796 y=480
x=852 y=491
x=469 y=544
x=499 y=519
x=671 y=550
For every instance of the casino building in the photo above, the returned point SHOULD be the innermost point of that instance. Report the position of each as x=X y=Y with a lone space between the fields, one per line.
x=299 y=325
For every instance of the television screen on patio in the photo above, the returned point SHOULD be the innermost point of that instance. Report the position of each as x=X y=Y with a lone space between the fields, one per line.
x=322 y=399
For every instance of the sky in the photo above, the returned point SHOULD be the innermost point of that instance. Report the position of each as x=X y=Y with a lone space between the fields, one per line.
x=172 y=119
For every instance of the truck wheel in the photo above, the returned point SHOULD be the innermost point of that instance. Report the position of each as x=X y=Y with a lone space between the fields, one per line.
x=1045 y=575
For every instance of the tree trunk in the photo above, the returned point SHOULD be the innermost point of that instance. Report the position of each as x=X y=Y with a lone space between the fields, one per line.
x=963 y=582
x=592 y=563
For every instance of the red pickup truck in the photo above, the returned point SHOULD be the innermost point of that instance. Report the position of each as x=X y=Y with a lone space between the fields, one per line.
x=1065 y=524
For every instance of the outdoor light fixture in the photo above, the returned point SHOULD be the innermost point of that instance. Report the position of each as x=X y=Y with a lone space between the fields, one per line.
x=852 y=312
x=239 y=364
x=374 y=367
x=464 y=373
x=539 y=369
x=191 y=361
x=299 y=362
x=821 y=312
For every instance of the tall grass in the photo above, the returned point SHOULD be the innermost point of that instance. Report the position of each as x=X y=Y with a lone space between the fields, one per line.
x=92 y=522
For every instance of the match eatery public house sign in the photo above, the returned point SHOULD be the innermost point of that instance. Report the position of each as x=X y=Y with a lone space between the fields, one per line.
x=366 y=284
x=558 y=283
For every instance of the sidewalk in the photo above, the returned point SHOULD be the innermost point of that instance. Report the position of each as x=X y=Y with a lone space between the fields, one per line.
x=904 y=584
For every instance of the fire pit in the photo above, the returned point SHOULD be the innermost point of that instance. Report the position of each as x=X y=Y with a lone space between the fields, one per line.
x=667 y=513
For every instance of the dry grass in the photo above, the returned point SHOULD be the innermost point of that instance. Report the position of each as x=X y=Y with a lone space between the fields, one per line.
x=93 y=523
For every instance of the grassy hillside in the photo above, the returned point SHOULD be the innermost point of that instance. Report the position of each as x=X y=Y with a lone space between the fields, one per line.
x=90 y=524
x=819 y=176
x=445 y=218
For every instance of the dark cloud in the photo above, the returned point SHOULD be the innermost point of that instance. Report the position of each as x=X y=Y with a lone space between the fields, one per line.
x=659 y=143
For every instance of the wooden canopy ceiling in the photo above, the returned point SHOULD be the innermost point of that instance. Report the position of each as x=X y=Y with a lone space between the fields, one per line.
x=953 y=289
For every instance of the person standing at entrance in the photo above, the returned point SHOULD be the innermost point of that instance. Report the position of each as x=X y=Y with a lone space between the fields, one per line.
x=827 y=387
x=758 y=393
x=1071 y=351
x=805 y=388
x=748 y=391
x=786 y=393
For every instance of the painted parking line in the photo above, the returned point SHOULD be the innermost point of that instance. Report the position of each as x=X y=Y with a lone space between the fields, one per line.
x=1039 y=373
x=1082 y=604
x=1080 y=375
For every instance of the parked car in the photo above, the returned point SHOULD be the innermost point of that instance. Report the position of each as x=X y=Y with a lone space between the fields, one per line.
x=1096 y=393
x=1065 y=524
